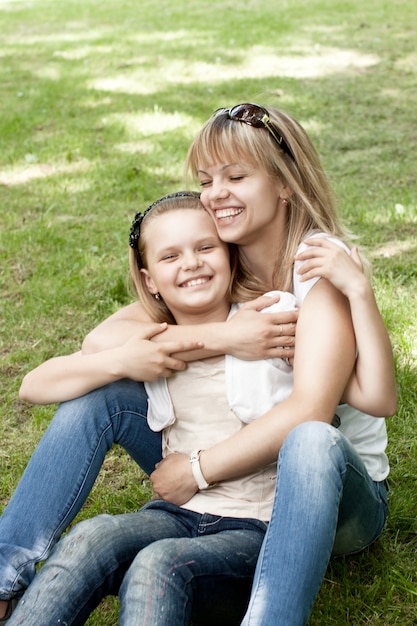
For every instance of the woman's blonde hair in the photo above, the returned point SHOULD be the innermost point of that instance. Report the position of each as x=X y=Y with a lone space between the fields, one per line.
x=311 y=207
x=157 y=308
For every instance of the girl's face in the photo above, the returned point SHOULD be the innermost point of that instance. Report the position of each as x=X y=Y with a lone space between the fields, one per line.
x=243 y=200
x=188 y=265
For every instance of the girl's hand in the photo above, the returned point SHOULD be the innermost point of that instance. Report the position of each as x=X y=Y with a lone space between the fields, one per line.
x=326 y=259
x=144 y=360
x=173 y=479
x=254 y=336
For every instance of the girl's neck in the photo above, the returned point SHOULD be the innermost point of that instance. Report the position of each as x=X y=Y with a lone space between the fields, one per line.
x=206 y=317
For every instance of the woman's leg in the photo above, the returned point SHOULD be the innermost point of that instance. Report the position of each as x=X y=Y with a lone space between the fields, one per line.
x=62 y=472
x=205 y=578
x=325 y=501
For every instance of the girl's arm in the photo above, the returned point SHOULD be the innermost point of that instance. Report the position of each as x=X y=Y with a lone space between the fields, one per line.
x=323 y=362
x=67 y=377
x=371 y=387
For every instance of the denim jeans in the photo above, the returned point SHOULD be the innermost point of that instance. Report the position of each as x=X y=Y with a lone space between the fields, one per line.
x=325 y=503
x=62 y=471
x=169 y=565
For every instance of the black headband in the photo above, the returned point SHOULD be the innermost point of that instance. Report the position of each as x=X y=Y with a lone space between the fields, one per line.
x=138 y=219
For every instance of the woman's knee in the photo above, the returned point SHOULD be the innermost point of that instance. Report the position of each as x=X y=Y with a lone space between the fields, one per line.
x=310 y=444
x=311 y=435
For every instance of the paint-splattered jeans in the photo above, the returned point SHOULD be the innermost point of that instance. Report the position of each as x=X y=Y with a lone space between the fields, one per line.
x=169 y=565
x=62 y=471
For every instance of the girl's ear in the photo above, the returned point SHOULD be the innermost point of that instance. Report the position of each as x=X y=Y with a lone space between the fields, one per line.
x=149 y=283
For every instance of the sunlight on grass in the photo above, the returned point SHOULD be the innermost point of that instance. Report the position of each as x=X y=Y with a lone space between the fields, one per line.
x=393 y=248
x=408 y=63
x=21 y=174
x=75 y=54
x=144 y=123
x=256 y=62
x=400 y=213
x=305 y=62
x=136 y=147
x=80 y=33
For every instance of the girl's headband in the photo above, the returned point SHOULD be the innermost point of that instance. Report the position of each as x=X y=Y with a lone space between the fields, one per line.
x=139 y=217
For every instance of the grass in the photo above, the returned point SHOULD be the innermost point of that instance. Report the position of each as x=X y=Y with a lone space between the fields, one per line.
x=99 y=101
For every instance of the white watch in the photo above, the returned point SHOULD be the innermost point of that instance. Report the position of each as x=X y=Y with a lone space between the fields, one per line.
x=196 y=469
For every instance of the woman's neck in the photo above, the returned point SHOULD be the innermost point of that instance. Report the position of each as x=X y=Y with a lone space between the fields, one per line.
x=262 y=255
x=261 y=260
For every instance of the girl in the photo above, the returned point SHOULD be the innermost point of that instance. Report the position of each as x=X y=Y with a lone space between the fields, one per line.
x=168 y=564
x=182 y=274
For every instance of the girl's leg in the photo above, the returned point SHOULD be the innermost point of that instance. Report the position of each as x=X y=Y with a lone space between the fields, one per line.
x=205 y=578
x=325 y=501
x=89 y=563
x=62 y=472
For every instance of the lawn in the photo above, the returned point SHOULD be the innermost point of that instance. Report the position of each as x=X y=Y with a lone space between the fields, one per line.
x=99 y=102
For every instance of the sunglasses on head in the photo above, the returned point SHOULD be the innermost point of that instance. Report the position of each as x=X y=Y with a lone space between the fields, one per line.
x=258 y=117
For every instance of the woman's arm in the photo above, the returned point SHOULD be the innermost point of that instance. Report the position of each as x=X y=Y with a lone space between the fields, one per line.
x=371 y=387
x=133 y=347
x=324 y=359
x=247 y=335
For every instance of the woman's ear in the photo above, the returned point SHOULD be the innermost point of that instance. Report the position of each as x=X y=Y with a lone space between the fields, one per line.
x=149 y=283
x=286 y=192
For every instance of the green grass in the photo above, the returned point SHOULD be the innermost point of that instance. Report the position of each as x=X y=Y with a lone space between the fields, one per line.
x=99 y=101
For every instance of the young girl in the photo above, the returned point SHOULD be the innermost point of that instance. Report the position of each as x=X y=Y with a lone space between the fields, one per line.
x=168 y=564
x=66 y=462
x=183 y=274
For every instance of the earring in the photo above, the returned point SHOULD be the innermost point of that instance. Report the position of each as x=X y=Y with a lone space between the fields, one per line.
x=157 y=296
x=284 y=202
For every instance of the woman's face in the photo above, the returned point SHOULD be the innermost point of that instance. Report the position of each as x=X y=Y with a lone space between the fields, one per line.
x=188 y=265
x=244 y=201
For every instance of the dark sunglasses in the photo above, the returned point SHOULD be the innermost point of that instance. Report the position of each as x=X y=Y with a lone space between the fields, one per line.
x=258 y=117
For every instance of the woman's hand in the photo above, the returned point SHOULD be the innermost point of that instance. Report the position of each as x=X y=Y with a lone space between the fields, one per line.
x=173 y=479
x=254 y=336
x=326 y=259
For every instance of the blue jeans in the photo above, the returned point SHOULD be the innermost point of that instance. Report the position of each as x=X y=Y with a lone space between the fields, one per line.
x=62 y=471
x=169 y=566
x=325 y=503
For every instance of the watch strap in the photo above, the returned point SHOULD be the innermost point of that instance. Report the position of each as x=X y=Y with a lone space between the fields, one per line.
x=196 y=469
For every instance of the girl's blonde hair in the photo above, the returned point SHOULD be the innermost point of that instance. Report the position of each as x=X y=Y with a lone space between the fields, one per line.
x=311 y=207
x=157 y=308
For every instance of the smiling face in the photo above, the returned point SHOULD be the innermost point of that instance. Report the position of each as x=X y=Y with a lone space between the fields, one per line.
x=244 y=201
x=187 y=265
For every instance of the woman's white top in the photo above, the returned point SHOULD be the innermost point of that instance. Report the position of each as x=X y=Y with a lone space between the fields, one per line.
x=210 y=400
